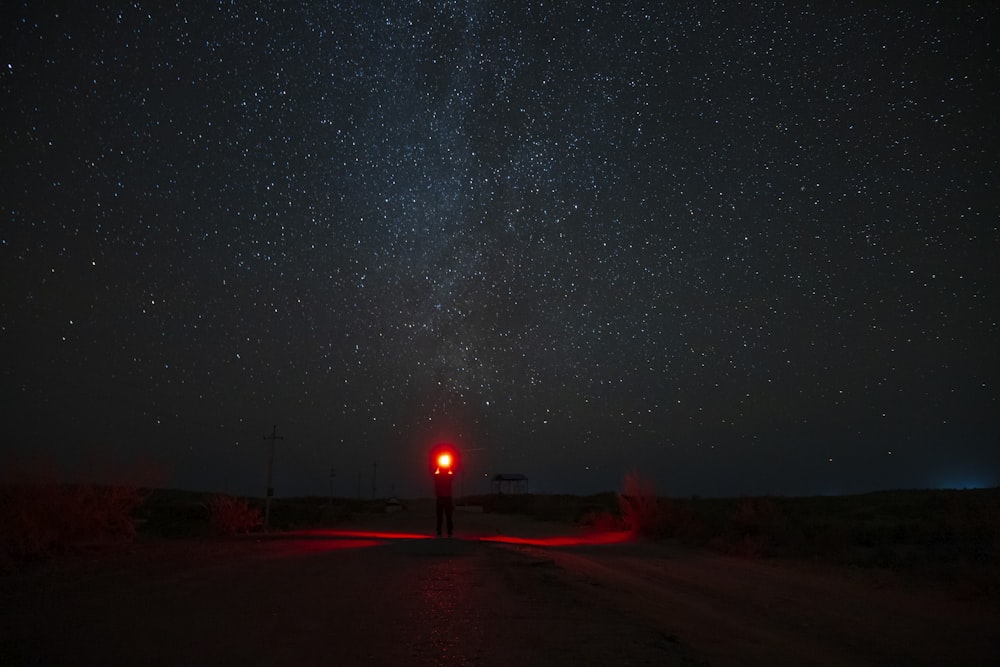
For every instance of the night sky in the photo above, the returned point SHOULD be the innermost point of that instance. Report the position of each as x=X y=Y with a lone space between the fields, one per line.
x=735 y=247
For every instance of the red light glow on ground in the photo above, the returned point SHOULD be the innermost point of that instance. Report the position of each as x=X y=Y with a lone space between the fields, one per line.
x=308 y=542
x=562 y=540
x=328 y=539
x=331 y=534
x=311 y=546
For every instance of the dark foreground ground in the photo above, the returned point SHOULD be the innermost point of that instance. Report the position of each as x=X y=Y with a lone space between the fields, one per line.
x=505 y=591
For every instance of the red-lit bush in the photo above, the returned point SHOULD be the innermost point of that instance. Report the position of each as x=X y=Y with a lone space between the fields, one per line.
x=231 y=516
x=600 y=520
x=640 y=507
x=41 y=515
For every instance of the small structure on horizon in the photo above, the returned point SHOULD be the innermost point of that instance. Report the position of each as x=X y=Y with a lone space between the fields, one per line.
x=510 y=483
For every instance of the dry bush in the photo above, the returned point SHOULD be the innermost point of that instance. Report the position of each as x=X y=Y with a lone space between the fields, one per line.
x=600 y=520
x=683 y=522
x=33 y=518
x=101 y=511
x=41 y=514
x=229 y=515
x=640 y=507
x=975 y=524
x=754 y=526
x=756 y=515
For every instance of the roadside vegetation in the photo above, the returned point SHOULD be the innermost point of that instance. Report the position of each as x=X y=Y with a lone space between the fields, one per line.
x=945 y=535
x=43 y=513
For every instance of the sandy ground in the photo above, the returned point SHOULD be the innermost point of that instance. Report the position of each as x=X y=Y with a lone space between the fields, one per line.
x=505 y=591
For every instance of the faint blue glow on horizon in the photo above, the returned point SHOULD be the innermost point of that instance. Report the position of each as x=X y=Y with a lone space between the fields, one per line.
x=964 y=484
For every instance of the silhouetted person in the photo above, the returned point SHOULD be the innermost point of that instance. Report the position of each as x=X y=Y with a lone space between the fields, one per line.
x=444 y=475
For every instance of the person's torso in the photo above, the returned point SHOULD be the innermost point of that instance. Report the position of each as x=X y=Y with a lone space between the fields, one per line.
x=443 y=483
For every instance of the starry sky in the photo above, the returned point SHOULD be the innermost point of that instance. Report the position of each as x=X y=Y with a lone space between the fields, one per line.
x=736 y=247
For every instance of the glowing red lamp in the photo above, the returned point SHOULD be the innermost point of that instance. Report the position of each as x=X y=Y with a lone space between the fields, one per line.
x=444 y=459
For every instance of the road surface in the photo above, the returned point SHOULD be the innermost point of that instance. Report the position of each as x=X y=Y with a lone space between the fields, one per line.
x=505 y=591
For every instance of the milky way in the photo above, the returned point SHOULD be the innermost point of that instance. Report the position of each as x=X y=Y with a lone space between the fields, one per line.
x=737 y=247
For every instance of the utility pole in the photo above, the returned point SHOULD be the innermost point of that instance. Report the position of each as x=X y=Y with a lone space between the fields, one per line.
x=374 y=472
x=270 y=472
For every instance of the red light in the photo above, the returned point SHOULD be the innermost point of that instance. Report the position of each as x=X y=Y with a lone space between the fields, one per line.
x=444 y=459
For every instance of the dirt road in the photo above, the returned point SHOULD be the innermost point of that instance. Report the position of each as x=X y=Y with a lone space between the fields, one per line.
x=383 y=593
x=378 y=593
x=740 y=612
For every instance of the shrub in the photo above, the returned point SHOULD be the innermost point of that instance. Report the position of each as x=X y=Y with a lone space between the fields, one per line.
x=41 y=515
x=684 y=523
x=33 y=519
x=599 y=520
x=758 y=516
x=230 y=516
x=754 y=525
x=640 y=507
x=103 y=511
x=764 y=518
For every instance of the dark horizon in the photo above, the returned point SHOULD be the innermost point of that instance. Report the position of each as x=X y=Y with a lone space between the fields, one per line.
x=405 y=479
